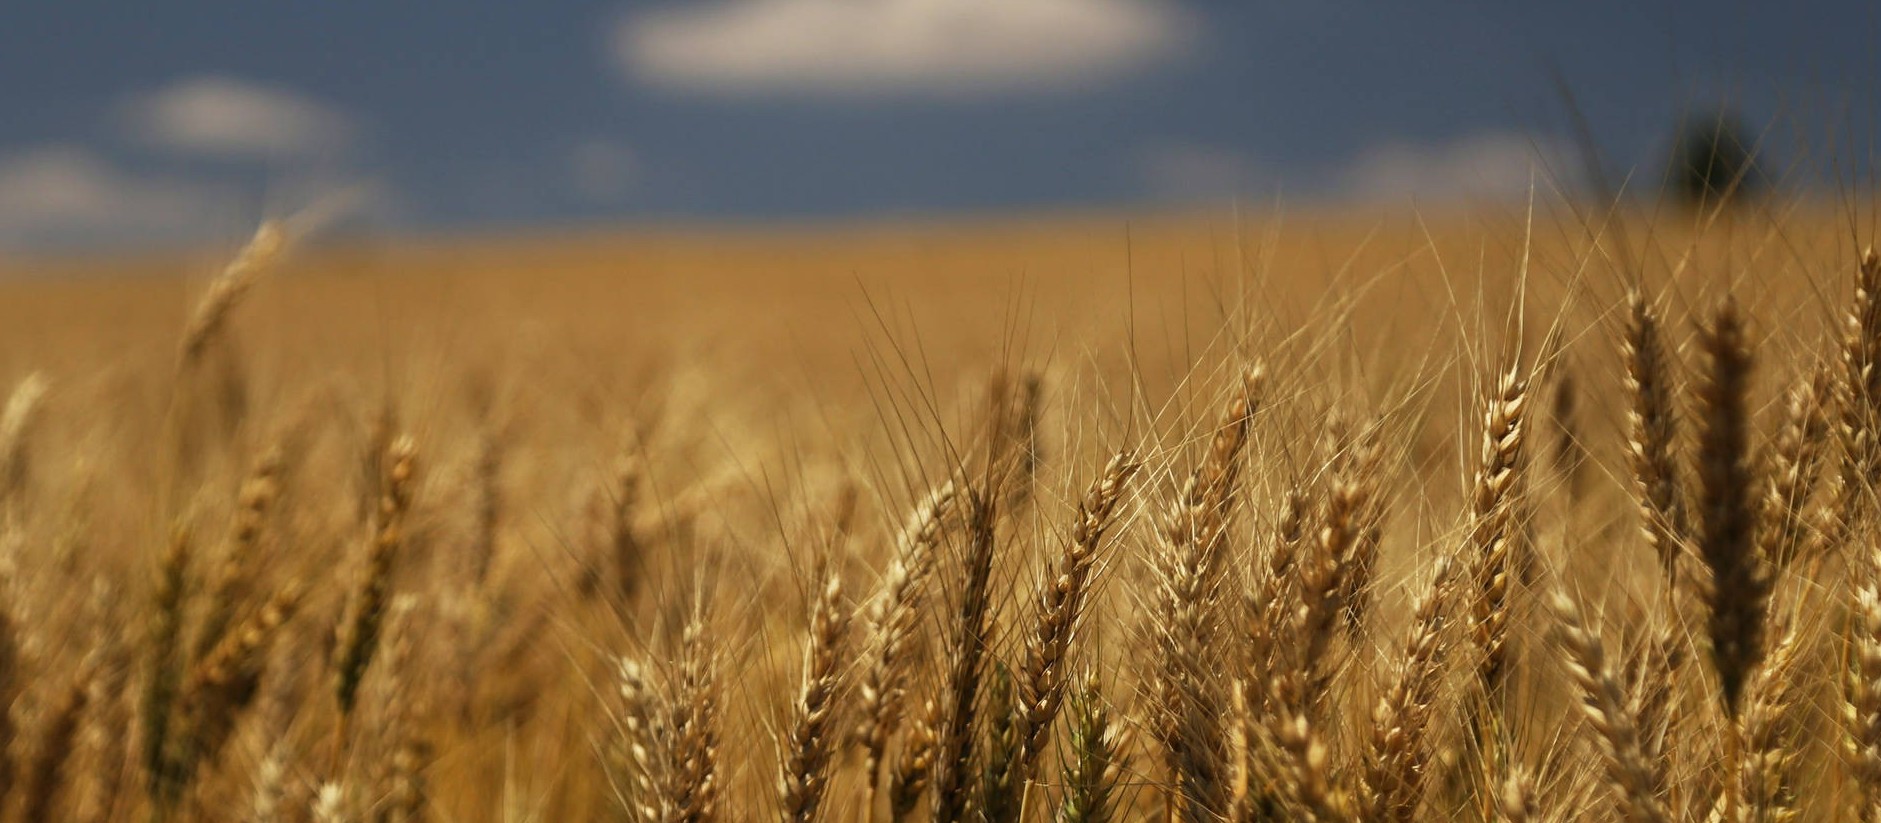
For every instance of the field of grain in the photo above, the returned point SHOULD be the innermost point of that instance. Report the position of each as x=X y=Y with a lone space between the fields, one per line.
x=1494 y=514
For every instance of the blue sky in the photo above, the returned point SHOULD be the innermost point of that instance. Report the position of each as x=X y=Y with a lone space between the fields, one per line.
x=187 y=120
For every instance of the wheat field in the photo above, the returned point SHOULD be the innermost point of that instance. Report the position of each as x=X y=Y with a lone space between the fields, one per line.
x=1546 y=513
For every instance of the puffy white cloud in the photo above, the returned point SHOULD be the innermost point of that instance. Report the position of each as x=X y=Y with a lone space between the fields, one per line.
x=601 y=170
x=862 y=48
x=221 y=116
x=1192 y=172
x=63 y=195
x=1487 y=166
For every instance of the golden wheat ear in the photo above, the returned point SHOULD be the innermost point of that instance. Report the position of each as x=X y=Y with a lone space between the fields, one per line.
x=1498 y=556
x=23 y=409
x=1861 y=371
x=254 y=504
x=358 y=638
x=1059 y=609
x=334 y=803
x=1861 y=695
x=617 y=558
x=207 y=322
x=1796 y=456
x=1857 y=426
x=488 y=503
x=1652 y=436
x=1001 y=795
x=1189 y=560
x=1768 y=734
x=402 y=709
x=693 y=788
x=1332 y=574
x=914 y=769
x=220 y=688
x=1095 y=759
x=1729 y=515
x=894 y=618
x=1271 y=597
x=1496 y=525
x=44 y=771
x=810 y=742
x=1397 y=756
x=1516 y=799
x=643 y=735
x=966 y=659
x=163 y=665
x=1637 y=781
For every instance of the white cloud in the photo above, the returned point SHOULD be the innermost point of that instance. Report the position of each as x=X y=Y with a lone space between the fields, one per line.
x=861 y=48
x=64 y=195
x=1487 y=166
x=227 y=117
x=601 y=171
x=1191 y=172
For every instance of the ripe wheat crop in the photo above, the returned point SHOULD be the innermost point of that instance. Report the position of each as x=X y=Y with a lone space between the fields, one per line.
x=1347 y=518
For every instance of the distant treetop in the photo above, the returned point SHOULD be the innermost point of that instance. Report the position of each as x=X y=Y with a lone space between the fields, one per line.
x=1712 y=161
